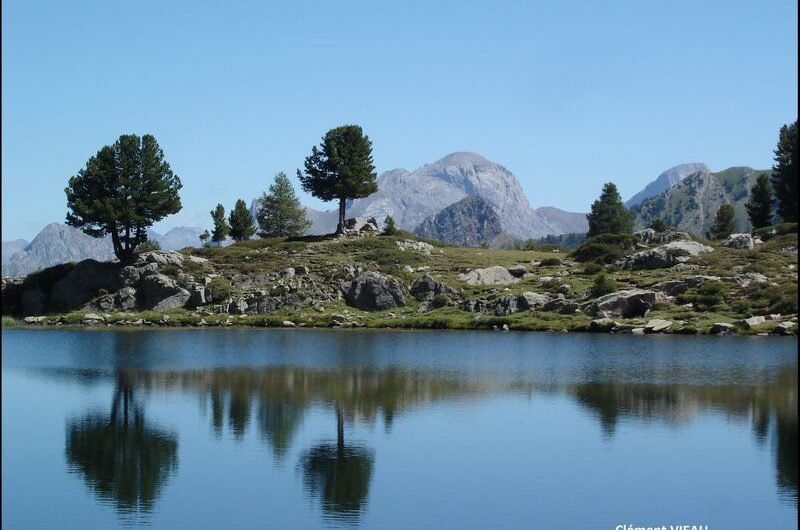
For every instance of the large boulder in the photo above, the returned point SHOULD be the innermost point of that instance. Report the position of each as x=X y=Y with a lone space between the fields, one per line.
x=83 y=283
x=676 y=287
x=371 y=291
x=663 y=256
x=561 y=305
x=161 y=293
x=529 y=300
x=631 y=303
x=160 y=257
x=34 y=302
x=425 y=287
x=651 y=237
x=420 y=246
x=739 y=241
x=495 y=275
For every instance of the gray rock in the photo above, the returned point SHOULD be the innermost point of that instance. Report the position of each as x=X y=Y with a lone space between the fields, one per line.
x=425 y=287
x=517 y=271
x=91 y=319
x=676 y=287
x=657 y=325
x=747 y=278
x=160 y=257
x=288 y=324
x=750 y=323
x=529 y=300
x=784 y=328
x=130 y=275
x=721 y=328
x=663 y=256
x=83 y=283
x=125 y=298
x=161 y=293
x=651 y=237
x=238 y=306
x=419 y=246
x=631 y=303
x=34 y=302
x=197 y=296
x=469 y=222
x=561 y=305
x=637 y=331
x=371 y=291
x=495 y=275
x=743 y=241
x=34 y=320
x=602 y=324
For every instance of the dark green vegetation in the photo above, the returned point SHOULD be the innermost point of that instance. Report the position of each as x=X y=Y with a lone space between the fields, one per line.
x=122 y=191
x=390 y=228
x=658 y=225
x=759 y=207
x=341 y=168
x=724 y=223
x=609 y=215
x=785 y=172
x=221 y=226
x=241 y=222
x=280 y=213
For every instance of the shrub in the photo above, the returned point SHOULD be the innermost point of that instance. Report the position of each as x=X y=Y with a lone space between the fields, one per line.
x=603 y=284
x=147 y=246
x=658 y=225
x=389 y=227
x=220 y=289
x=705 y=297
x=551 y=262
x=605 y=248
x=768 y=232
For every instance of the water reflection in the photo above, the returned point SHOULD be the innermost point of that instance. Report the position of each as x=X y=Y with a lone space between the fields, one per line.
x=127 y=461
x=123 y=459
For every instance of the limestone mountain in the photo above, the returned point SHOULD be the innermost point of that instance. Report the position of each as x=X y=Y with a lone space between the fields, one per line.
x=666 y=180
x=177 y=238
x=469 y=222
x=12 y=247
x=691 y=204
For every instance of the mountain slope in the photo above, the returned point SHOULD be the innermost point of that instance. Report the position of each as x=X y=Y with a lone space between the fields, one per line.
x=177 y=238
x=469 y=222
x=12 y=247
x=666 y=180
x=692 y=203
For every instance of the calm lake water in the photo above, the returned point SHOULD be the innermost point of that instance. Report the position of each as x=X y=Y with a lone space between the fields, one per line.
x=308 y=429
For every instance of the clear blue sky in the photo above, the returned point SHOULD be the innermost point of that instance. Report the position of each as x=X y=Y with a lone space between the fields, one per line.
x=565 y=94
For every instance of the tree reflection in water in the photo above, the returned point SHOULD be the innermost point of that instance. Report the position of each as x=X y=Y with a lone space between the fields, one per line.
x=122 y=459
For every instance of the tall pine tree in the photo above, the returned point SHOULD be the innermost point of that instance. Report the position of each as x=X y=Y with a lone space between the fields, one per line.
x=609 y=215
x=785 y=172
x=724 y=223
x=759 y=207
x=280 y=213
x=221 y=227
x=341 y=168
x=241 y=221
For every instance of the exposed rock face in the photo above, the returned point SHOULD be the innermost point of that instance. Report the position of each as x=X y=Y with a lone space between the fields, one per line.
x=692 y=203
x=561 y=305
x=83 y=282
x=529 y=300
x=651 y=237
x=371 y=291
x=425 y=287
x=721 y=328
x=658 y=325
x=358 y=226
x=665 y=181
x=739 y=241
x=469 y=222
x=632 y=303
x=161 y=293
x=676 y=287
x=419 y=246
x=663 y=256
x=10 y=248
x=495 y=275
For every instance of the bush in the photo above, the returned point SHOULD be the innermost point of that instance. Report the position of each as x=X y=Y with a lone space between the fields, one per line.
x=603 y=284
x=705 y=297
x=605 y=248
x=658 y=225
x=768 y=232
x=220 y=289
x=551 y=262
x=147 y=246
x=389 y=227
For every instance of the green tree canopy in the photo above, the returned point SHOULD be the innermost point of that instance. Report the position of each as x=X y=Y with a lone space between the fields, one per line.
x=221 y=227
x=389 y=228
x=759 y=207
x=609 y=215
x=122 y=191
x=724 y=223
x=784 y=172
x=280 y=213
x=204 y=237
x=241 y=222
x=341 y=168
x=658 y=225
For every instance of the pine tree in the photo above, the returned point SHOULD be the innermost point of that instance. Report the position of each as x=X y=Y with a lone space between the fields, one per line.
x=658 y=225
x=609 y=215
x=389 y=227
x=785 y=172
x=221 y=228
x=724 y=223
x=759 y=207
x=241 y=222
x=122 y=191
x=340 y=169
x=204 y=237
x=280 y=213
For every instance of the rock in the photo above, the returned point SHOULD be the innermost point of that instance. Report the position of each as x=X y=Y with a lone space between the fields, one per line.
x=125 y=299
x=301 y=270
x=506 y=305
x=750 y=323
x=517 y=271
x=602 y=324
x=469 y=222
x=784 y=328
x=637 y=331
x=357 y=226
x=721 y=328
x=744 y=241
x=657 y=325
x=747 y=278
x=425 y=287
x=160 y=293
x=91 y=319
x=561 y=305
x=651 y=237
x=288 y=272
x=83 y=283
x=160 y=257
x=237 y=307
x=130 y=276
x=676 y=287
x=545 y=280
x=371 y=291
x=663 y=256
x=34 y=320
x=631 y=303
x=33 y=301
x=505 y=327
x=420 y=246
x=495 y=275
x=288 y=324
x=197 y=296
x=529 y=300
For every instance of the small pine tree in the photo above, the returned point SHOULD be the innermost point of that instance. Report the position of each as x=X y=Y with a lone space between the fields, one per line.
x=241 y=221
x=147 y=246
x=724 y=223
x=204 y=237
x=221 y=228
x=658 y=225
x=785 y=172
x=280 y=213
x=609 y=215
x=759 y=207
x=603 y=284
x=389 y=227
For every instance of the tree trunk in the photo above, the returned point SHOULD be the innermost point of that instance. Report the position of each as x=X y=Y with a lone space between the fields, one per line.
x=342 y=208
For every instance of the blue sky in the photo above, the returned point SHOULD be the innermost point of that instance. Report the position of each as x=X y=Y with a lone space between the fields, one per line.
x=565 y=94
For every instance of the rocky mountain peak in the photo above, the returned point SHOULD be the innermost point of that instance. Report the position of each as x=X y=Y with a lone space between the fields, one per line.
x=469 y=222
x=666 y=180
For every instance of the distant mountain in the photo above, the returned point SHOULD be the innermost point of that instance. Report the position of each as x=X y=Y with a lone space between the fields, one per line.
x=177 y=238
x=469 y=222
x=57 y=243
x=12 y=247
x=665 y=181
x=692 y=203
x=564 y=222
